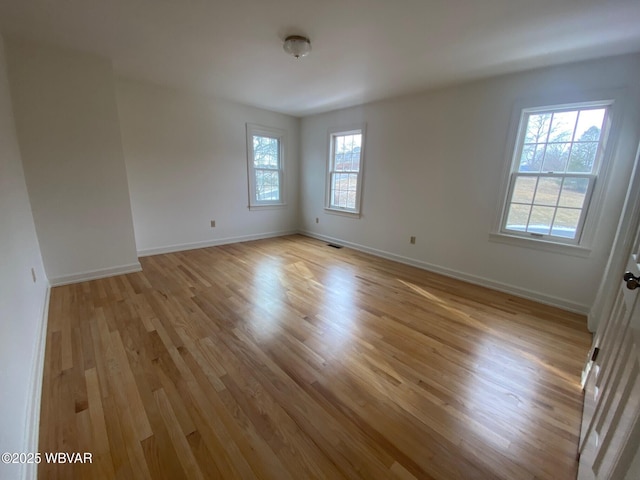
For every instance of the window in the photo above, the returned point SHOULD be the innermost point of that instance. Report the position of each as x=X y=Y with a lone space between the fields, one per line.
x=344 y=179
x=265 y=165
x=557 y=160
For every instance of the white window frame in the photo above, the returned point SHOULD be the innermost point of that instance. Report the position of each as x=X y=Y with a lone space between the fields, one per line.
x=338 y=132
x=279 y=134
x=580 y=245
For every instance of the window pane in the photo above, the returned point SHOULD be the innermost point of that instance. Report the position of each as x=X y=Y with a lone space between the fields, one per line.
x=531 y=160
x=556 y=156
x=545 y=192
x=336 y=182
x=266 y=151
x=352 y=142
x=518 y=217
x=524 y=189
x=267 y=185
x=355 y=160
x=563 y=125
x=343 y=190
x=566 y=223
x=347 y=152
x=589 y=125
x=351 y=199
x=548 y=191
x=574 y=191
x=540 y=220
x=340 y=198
x=537 y=128
x=341 y=162
x=583 y=156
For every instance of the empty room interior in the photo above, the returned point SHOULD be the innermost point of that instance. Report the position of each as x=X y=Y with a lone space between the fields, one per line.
x=305 y=239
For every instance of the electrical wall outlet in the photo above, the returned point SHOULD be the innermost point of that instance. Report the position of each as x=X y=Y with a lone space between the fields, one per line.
x=213 y=223
x=317 y=220
x=412 y=240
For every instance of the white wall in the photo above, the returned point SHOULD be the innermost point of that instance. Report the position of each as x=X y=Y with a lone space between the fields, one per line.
x=434 y=167
x=186 y=160
x=69 y=135
x=22 y=301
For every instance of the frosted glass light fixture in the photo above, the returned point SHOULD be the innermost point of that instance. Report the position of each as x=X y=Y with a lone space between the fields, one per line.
x=297 y=45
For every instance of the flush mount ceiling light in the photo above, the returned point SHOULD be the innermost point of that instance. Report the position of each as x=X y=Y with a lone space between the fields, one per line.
x=297 y=45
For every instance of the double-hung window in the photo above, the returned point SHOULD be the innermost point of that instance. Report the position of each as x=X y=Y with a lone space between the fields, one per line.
x=558 y=156
x=344 y=177
x=265 y=149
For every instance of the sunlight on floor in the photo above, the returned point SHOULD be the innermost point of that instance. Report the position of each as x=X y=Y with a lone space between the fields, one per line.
x=497 y=408
x=481 y=326
x=267 y=290
x=339 y=312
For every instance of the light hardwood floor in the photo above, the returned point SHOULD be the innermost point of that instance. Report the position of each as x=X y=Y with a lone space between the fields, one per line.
x=289 y=359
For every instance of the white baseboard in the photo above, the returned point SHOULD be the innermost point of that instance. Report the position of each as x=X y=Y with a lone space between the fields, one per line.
x=37 y=372
x=212 y=243
x=95 y=274
x=448 y=272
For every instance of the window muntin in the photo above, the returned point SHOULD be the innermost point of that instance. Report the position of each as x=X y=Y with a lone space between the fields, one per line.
x=265 y=152
x=345 y=170
x=557 y=159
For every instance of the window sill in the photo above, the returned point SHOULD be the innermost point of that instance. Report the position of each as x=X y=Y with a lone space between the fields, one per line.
x=538 y=244
x=344 y=213
x=267 y=206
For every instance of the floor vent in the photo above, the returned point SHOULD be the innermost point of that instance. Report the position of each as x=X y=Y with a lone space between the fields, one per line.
x=334 y=245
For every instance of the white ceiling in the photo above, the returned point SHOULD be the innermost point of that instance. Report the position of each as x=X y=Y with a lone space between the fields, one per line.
x=363 y=50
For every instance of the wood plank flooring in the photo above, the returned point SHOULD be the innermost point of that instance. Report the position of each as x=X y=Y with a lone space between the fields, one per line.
x=288 y=359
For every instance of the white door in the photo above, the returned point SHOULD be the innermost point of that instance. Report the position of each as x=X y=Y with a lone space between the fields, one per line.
x=610 y=436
